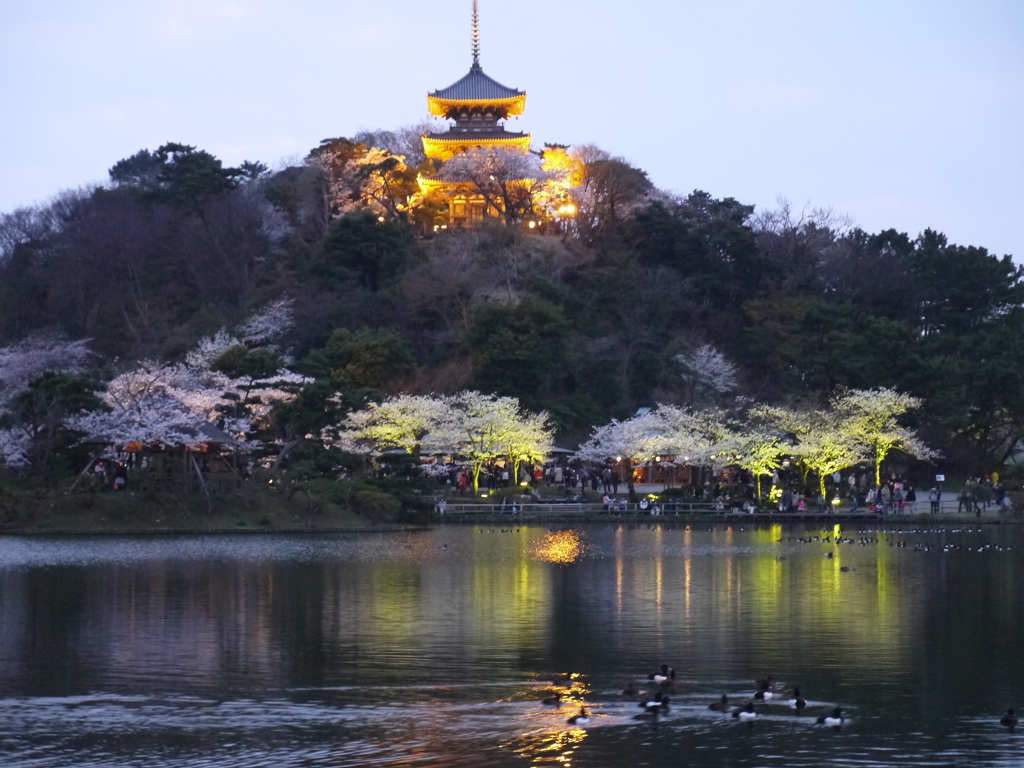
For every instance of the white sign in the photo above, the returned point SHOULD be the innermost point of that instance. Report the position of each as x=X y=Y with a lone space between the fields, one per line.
x=940 y=478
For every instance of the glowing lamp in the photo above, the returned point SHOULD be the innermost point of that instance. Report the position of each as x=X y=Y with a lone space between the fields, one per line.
x=570 y=209
x=380 y=219
x=533 y=224
x=836 y=501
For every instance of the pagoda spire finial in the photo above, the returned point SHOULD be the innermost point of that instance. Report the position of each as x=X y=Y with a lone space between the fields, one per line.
x=476 y=34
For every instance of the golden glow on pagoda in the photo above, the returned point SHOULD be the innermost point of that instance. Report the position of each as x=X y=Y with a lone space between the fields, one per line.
x=444 y=148
x=439 y=107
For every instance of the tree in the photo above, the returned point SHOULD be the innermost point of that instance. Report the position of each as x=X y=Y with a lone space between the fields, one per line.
x=401 y=422
x=607 y=190
x=270 y=324
x=507 y=179
x=707 y=373
x=222 y=382
x=758 y=443
x=43 y=409
x=760 y=451
x=26 y=360
x=823 y=445
x=359 y=176
x=635 y=440
x=475 y=427
x=529 y=440
x=178 y=173
x=488 y=427
x=870 y=416
x=367 y=358
x=362 y=249
x=518 y=349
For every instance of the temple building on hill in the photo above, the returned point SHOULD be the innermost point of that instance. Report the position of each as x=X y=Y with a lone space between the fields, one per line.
x=478 y=105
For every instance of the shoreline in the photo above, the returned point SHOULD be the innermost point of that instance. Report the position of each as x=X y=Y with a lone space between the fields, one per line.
x=534 y=519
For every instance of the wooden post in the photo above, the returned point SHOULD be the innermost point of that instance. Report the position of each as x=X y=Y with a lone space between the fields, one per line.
x=84 y=471
x=202 y=483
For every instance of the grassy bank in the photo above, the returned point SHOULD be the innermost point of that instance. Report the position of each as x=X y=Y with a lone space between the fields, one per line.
x=245 y=508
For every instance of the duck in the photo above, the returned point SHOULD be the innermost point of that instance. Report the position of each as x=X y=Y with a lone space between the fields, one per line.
x=1009 y=719
x=659 y=702
x=720 y=706
x=768 y=684
x=581 y=719
x=835 y=719
x=797 y=702
x=631 y=691
x=554 y=701
x=667 y=674
x=746 y=713
x=765 y=689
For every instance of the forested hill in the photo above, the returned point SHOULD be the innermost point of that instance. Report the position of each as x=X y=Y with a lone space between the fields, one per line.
x=598 y=315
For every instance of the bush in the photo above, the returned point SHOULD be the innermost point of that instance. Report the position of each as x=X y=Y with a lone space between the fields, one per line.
x=375 y=505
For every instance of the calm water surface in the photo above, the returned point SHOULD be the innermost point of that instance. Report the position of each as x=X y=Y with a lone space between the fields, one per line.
x=434 y=648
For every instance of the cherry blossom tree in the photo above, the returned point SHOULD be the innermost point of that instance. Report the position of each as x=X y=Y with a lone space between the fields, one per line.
x=507 y=178
x=758 y=445
x=703 y=437
x=823 y=445
x=175 y=404
x=359 y=176
x=707 y=373
x=477 y=428
x=269 y=324
x=406 y=422
x=636 y=440
x=870 y=417
x=22 y=362
x=489 y=427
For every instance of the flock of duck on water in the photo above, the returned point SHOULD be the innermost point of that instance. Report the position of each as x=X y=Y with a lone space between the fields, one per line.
x=657 y=703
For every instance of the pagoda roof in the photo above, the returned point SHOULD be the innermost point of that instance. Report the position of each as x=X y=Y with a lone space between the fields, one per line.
x=477 y=86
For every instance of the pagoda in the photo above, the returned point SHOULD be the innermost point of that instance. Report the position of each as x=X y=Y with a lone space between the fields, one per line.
x=478 y=105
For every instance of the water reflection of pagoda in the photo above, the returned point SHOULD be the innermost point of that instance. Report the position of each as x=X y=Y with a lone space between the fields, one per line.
x=478 y=105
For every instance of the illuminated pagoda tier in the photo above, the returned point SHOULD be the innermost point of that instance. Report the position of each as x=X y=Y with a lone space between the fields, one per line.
x=478 y=105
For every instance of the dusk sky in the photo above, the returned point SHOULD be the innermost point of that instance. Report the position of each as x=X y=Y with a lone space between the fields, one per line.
x=900 y=113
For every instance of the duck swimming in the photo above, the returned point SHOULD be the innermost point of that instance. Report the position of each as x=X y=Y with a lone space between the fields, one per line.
x=797 y=702
x=1009 y=719
x=667 y=674
x=720 y=706
x=835 y=719
x=659 y=702
x=554 y=701
x=745 y=713
x=765 y=689
x=581 y=719
x=768 y=684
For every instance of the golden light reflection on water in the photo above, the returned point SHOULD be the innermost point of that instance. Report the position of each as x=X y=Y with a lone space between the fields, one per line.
x=562 y=547
x=549 y=747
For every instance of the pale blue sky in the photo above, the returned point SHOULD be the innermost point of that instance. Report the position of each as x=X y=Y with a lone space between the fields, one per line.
x=901 y=113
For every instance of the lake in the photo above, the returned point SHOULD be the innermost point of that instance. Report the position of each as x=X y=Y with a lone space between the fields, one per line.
x=436 y=648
